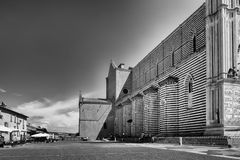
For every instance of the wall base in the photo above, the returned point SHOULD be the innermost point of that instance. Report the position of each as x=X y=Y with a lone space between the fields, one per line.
x=231 y=133
x=203 y=140
x=214 y=130
x=220 y=130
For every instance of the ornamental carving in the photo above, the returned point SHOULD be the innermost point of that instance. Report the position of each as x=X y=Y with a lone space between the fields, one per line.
x=232 y=105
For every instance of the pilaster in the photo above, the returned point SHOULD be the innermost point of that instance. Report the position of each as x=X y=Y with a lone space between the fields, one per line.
x=222 y=55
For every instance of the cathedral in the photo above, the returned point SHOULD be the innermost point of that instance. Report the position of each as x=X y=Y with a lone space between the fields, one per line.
x=188 y=85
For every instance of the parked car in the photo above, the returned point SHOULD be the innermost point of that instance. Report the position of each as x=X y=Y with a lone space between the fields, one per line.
x=84 y=138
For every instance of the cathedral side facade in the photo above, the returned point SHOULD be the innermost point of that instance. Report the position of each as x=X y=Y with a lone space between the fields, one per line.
x=188 y=85
x=183 y=87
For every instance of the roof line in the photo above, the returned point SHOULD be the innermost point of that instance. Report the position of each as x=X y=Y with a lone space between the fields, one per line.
x=3 y=108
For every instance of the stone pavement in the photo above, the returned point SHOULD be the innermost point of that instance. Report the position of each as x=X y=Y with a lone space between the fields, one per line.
x=116 y=151
x=224 y=152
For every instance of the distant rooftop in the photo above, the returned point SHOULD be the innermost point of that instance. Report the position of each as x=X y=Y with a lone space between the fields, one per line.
x=5 y=109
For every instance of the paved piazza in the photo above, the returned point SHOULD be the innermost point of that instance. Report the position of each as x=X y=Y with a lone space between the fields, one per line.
x=110 y=151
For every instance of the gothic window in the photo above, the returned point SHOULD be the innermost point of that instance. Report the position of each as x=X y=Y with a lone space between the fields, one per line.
x=189 y=90
x=238 y=56
x=190 y=86
x=105 y=125
x=172 y=59
x=194 y=44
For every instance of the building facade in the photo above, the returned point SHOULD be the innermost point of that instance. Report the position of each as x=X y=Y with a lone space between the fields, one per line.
x=188 y=85
x=95 y=118
x=16 y=122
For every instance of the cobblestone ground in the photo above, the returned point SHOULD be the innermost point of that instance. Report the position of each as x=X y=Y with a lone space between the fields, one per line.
x=98 y=151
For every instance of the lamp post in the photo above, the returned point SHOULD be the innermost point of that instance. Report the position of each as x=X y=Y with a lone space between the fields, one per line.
x=79 y=105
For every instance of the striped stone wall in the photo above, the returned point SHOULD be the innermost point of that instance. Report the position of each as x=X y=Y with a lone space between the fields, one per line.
x=121 y=121
x=173 y=117
x=118 y=121
x=175 y=56
x=169 y=110
x=180 y=55
x=151 y=113
x=172 y=51
x=125 y=112
x=193 y=120
x=138 y=116
x=127 y=115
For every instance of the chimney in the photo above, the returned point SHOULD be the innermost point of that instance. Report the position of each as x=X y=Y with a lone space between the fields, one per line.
x=3 y=105
x=121 y=65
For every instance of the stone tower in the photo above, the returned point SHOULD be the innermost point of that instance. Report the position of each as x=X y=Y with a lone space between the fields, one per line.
x=223 y=83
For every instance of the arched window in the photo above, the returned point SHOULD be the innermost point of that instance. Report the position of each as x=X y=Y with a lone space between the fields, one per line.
x=105 y=125
x=173 y=59
x=194 y=44
x=189 y=88
x=238 y=56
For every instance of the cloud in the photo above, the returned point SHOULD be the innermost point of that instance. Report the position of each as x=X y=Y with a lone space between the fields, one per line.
x=36 y=118
x=47 y=100
x=2 y=90
x=55 y=116
x=93 y=94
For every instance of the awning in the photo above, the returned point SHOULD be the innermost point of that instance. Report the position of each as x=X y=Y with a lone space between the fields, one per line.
x=40 y=135
x=5 y=129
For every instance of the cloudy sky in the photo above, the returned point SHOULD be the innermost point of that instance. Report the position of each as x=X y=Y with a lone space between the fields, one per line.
x=51 y=49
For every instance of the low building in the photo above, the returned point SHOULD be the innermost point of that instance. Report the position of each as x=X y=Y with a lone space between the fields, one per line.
x=94 y=118
x=31 y=130
x=16 y=122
